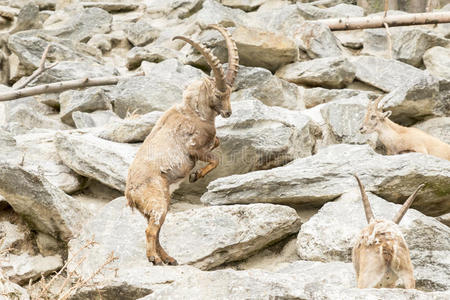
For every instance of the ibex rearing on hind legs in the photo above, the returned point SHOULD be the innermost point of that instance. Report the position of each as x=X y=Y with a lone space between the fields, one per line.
x=183 y=135
x=380 y=255
x=399 y=139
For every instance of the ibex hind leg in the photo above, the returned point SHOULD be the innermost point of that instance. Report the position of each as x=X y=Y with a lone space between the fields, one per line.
x=372 y=271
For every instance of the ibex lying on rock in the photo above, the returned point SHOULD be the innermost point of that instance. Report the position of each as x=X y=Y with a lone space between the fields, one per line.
x=183 y=135
x=380 y=255
x=398 y=139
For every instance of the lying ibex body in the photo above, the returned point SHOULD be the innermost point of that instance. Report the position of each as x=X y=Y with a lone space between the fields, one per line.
x=399 y=139
x=183 y=135
x=380 y=255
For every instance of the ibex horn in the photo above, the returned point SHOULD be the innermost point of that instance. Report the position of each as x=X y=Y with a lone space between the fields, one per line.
x=212 y=61
x=398 y=217
x=365 y=200
x=233 y=57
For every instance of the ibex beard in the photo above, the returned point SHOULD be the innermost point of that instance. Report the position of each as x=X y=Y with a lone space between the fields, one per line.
x=183 y=135
x=380 y=255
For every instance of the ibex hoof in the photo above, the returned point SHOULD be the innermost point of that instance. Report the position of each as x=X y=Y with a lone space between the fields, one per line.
x=193 y=177
x=155 y=260
x=171 y=261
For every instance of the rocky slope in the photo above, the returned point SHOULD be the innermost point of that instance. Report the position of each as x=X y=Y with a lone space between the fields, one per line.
x=278 y=217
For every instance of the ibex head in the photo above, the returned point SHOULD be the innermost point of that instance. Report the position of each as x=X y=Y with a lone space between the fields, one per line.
x=368 y=210
x=374 y=117
x=214 y=92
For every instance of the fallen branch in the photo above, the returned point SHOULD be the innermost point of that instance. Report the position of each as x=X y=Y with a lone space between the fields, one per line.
x=391 y=21
x=62 y=86
x=42 y=68
x=389 y=39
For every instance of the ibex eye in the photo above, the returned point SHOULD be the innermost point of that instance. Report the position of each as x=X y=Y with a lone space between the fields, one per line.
x=373 y=117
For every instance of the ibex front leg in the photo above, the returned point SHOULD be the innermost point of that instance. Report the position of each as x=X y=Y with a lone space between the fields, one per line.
x=208 y=157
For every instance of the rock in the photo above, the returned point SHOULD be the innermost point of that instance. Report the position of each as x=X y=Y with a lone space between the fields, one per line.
x=130 y=130
x=39 y=155
x=44 y=206
x=28 y=18
x=258 y=83
x=255 y=137
x=47 y=245
x=352 y=39
x=217 y=234
x=29 y=46
x=149 y=53
x=245 y=5
x=415 y=100
x=316 y=40
x=375 y=41
x=437 y=61
x=141 y=33
x=158 y=91
x=23 y=268
x=327 y=291
x=310 y=12
x=319 y=178
x=316 y=96
x=11 y=235
x=106 y=42
x=173 y=8
x=134 y=282
x=385 y=74
x=249 y=284
x=330 y=72
x=30 y=119
x=84 y=24
x=277 y=19
x=70 y=70
x=94 y=119
x=13 y=291
x=437 y=127
x=88 y=100
x=212 y=12
x=96 y=158
x=330 y=235
x=112 y=7
x=445 y=219
x=344 y=117
x=411 y=44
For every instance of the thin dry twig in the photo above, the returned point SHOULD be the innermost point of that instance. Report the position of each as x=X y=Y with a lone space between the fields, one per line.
x=389 y=38
x=42 y=68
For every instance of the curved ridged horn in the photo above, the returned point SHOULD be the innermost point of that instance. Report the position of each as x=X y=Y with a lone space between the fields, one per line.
x=233 y=57
x=376 y=103
x=365 y=200
x=212 y=61
x=398 y=217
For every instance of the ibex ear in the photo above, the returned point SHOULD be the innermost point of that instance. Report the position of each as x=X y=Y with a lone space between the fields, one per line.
x=387 y=114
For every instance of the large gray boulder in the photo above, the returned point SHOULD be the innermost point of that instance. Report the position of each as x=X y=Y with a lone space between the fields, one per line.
x=141 y=33
x=318 y=95
x=259 y=83
x=216 y=235
x=88 y=100
x=385 y=74
x=96 y=158
x=327 y=175
x=437 y=127
x=409 y=45
x=311 y=12
x=95 y=119
x=437 y=61
x=329 y=72
x=212 y=12
x=160 y=89
x=30 y=119
x=256 y=137
x=150 y=53
x=45 y=207
x=39 y=155
x=331 y=233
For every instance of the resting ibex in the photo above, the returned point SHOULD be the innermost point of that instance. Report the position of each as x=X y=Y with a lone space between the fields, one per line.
x=380 y=255
x=398 y=139
x=183 y=135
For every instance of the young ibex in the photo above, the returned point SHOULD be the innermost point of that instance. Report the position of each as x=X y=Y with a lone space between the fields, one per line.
x=183 y=135
x=380 y=255
x=398 y=139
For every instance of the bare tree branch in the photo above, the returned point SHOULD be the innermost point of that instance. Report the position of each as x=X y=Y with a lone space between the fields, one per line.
x=42 y=68
x=378 y=21
x=389 y=38
x=61 y=86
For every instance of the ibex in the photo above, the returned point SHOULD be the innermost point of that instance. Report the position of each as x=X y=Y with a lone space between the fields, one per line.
x=399 y=139
x=380 y=255
x=183 y=135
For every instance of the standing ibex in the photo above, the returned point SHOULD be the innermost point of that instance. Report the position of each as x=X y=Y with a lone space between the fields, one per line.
x=398 y=139
x=380 y=255
x=183 y=135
